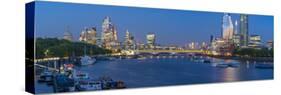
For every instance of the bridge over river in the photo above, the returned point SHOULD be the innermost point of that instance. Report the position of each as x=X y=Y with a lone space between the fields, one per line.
x=169 y=51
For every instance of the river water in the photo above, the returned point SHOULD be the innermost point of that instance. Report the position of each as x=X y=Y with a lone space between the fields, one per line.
x=173 y=71
x=181 y=70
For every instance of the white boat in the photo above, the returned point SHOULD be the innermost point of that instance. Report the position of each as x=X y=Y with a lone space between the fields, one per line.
x=87 y=60
x=225 y=65
x=46 y=76
x=89 y=85
x=80 y=76
x=141 y=58
x=233 y=64
x=221 y=65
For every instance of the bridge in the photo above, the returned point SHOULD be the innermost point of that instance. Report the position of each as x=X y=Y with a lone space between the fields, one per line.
x=169 y=51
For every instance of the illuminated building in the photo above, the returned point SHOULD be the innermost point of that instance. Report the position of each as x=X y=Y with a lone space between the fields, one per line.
x=221 y=47
x=89 y=35
x=129 y=41
x=150 y=40
x=236 y=36
x=255 y=41
x=204 y=45
x=269 y=44
x=244 y=30
x=109 y=35
x=227 y=27
x=191 y=45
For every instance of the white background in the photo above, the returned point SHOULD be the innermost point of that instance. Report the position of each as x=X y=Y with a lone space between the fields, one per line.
x=12 y=50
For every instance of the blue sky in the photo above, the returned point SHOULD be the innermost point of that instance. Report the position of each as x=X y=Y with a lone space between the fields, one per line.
x=172 y=27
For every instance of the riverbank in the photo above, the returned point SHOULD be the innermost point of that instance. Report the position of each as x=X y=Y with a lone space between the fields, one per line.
x=251 y=59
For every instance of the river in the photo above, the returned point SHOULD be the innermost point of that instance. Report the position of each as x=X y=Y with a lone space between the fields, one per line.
x=180 y=70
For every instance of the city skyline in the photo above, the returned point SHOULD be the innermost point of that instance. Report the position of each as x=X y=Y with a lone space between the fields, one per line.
x=73 y=47
x=171 y=29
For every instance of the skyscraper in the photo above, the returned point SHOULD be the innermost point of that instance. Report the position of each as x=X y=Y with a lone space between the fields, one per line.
x=244 y=30
x=237 y=35
x=106 y=24
x=203 y=45
x=211 y=38
x=129 y=41
x=115 y=38
x=106 y=32
x=109 y=34
x=191 y=45
x=150 y=40
x=92 y=35
x=227 y=27
x=89 y=35
x=236 y=31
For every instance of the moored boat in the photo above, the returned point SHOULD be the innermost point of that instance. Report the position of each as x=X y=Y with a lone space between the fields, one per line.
x=89 y=85
x=221 y=65
x=87 y=60
x=63 y=84
x=233 y=64
x=46 y=76
x=80 y=76
x=225 y=65
x=207 y=61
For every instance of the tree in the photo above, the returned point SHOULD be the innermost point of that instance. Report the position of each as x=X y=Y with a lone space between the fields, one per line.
x=252 y=52
x=65 y=48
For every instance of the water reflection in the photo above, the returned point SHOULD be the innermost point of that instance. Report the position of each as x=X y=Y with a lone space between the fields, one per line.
x=230 y=75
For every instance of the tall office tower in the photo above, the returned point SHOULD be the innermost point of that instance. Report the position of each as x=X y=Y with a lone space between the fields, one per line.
x=115 y=39
x=244 y=30
x=106 y=24
x=191 y=45
x=92 y=35
x=150 y=40
x=89 y=35
x=129 y=41
x=236 y=31
x=109 y=34
x=227 y=27
x=106 y=32
x=204 y=45
x=67 y=35
x=211 y=38
x=237 y=35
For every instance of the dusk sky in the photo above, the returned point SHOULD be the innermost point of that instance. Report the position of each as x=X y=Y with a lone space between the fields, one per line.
x=170 y=26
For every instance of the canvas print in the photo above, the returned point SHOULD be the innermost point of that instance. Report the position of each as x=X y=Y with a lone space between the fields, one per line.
x=74 y=47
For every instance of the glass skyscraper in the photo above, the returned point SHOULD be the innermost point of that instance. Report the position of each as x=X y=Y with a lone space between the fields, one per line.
x=150 y=40
x=227 y=27
x=244 y=30
x=109 y=34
